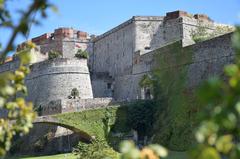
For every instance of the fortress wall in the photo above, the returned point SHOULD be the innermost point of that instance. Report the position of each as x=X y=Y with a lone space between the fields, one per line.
x=102 y=84
x=9 y=66
x=113 y=52
x=209 y=59
x=50 y=45
x=70 y=48
x=149 y=33
x=64 y=40
x=202 y=60
x=52 y=80
x=126 y=87
x=100 y=88
x=191 y=25
x=73 y=105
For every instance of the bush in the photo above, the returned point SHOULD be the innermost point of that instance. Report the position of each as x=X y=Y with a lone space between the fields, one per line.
x=81 y=54
x=75 y=93
x=141 y=117
x=53 y=54
x=97 y=149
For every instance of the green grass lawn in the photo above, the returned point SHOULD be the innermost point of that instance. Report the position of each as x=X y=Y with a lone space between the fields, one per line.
x=59 y=156
x=172 y=155
x=177 y=155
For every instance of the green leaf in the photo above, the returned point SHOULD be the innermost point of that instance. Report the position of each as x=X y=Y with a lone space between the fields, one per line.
x=209 y=153
x=231 y=69
x=224 y=144
x=237 y=107
x=24 y=56
x=54 y=9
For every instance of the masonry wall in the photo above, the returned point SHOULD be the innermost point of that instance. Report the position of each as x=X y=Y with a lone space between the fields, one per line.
x=10 y=66
x=117 y=51
x=74 y=105
x=156 y=32
x=191 y=25
x=52 y=80
x=66 y=41
x=113 y=51
x=209 y=59
x=149 y=34
x=201 y=60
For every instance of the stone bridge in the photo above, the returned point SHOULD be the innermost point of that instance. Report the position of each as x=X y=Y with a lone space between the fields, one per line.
x=54 y=121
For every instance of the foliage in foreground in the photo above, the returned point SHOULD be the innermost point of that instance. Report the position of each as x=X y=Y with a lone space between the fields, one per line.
x=19 y=114
x=218 y=134
x=130 y=151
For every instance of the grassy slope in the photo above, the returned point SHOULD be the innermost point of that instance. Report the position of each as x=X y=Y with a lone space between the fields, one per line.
x=172 y=155
x=59 y=156
x=93 y=121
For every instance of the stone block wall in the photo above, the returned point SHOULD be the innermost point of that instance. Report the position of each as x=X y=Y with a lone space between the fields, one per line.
x=117 y=51
x=74 y=105
x=66 y=41
x=113 y=50
x=54 y=79
x=203 y=60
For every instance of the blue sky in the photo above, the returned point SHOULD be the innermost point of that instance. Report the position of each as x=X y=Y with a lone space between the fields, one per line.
x=98 y=16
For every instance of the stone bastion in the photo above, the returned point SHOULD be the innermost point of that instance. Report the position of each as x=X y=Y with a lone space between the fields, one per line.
x=54 y=79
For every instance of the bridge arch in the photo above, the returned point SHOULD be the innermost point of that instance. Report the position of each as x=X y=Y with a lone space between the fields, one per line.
x=54 y=121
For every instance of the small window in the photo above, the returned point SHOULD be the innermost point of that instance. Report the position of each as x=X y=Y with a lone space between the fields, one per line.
x=147 y=48
x=109 y=85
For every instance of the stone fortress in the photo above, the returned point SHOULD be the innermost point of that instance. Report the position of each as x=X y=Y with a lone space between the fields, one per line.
x=118 y=59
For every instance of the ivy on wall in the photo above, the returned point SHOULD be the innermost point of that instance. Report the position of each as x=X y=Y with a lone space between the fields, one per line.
x=174 y=124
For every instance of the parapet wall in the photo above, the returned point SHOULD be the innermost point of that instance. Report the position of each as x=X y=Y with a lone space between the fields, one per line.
x=74 y=105
x=66 y=41
x=60 y=34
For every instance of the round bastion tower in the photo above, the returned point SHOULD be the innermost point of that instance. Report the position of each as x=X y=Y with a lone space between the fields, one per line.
x=54 y=79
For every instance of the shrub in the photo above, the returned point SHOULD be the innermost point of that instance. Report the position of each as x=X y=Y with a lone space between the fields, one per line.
x=97 y=149
x=141 y=117
x=81 y=54
x=53 y=54
x=75 y=93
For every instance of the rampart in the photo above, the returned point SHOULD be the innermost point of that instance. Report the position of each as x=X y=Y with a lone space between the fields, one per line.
x=55 y=79
x=200 y=61
x=74 y=105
